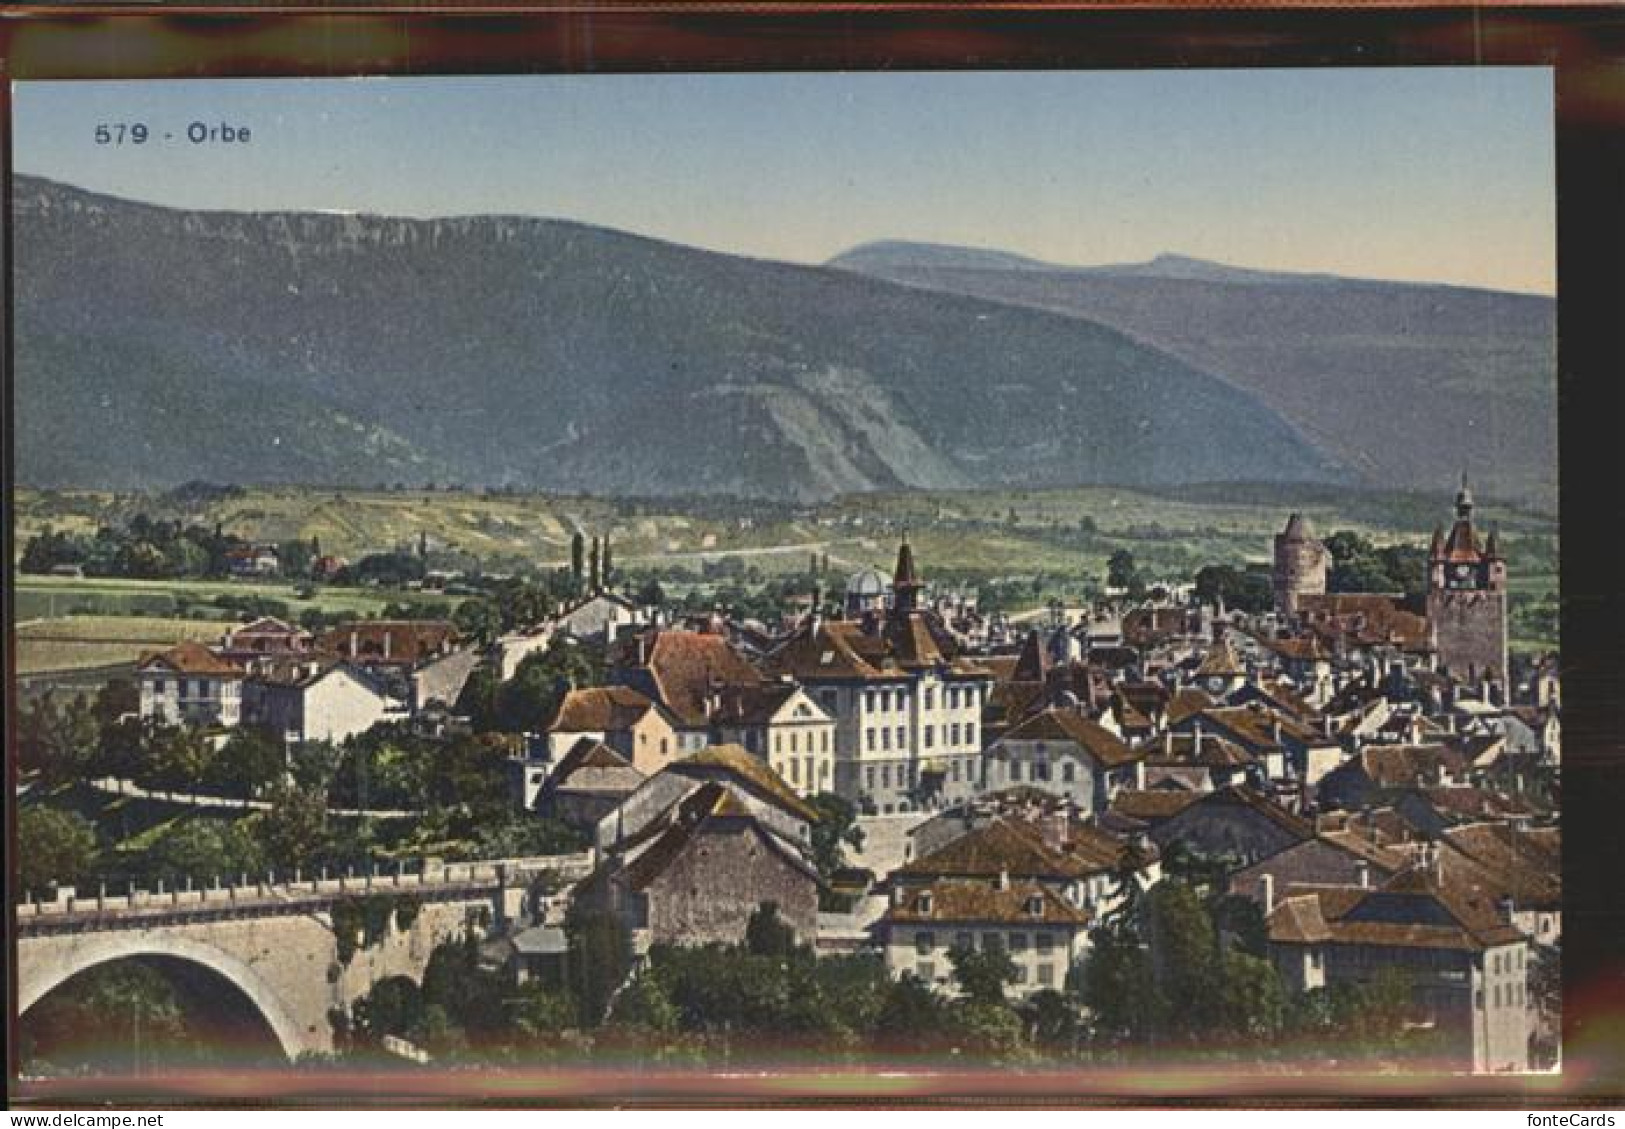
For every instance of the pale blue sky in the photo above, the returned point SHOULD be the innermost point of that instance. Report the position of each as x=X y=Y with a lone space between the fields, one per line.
x=1439 y=174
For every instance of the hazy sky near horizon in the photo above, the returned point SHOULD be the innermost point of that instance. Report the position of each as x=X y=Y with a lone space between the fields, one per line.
x=1425 y=174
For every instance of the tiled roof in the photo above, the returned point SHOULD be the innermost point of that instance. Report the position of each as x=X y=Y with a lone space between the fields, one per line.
x=191 y=658
x=1219 y=662
x=1151 y=806
x=599 y=709
x=1210 y=751
x=1186 y=701
x=1001 y=846
x=1398 y=766
x=1242 y=796
x=1366 y=619
x=753 y=705
x=704 y=807
x=294 y=670
x=409 y=641
x=1471 y=919
x=1254 y=724
x=687 y=666
x=975 y=901
x=591 y=766
x=1071 y=727
x=750 y=770
x=1512 y=863
x=1390 y=862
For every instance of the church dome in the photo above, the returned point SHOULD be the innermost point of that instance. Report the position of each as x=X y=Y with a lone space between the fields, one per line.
x=867 y=582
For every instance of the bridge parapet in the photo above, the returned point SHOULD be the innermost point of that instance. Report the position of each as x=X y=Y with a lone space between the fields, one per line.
x=431 y=878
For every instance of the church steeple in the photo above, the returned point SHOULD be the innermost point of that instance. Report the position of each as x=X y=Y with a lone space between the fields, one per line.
x=1464 y=500
x=906 y=582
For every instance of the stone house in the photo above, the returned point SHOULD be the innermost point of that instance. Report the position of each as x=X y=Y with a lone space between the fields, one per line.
x=191 y=685
x=695 y=875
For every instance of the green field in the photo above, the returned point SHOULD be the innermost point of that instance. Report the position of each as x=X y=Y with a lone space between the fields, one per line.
x=84 y=642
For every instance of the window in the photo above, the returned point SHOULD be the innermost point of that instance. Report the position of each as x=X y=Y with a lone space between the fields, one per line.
x=1068 y=771
x=778 y=742
x=1046 y=974
x=158 y=686
x=1041 y=770
x=930 y=698
x=964 y=941
x=870 y=777
x=953 y=697
x=926 y=971
x=927 y=736
x=795 y=771
x=869 y=739
x=990 y=941
x=970 y=733
x=924 y=942
x=1498 y=995
x=885 y=701
x=869 y=700
x=885 y=738
x=1018 y=942
x=902 y=737
x=1015 y=770
x=953 y=772
x=808 y=761
x=1044 y=943
x=953 y=734
x=824 y=742
x=885 y=776
x=1021 y=975
x=1035 y=905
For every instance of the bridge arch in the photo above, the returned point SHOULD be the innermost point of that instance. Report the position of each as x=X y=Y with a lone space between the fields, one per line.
x=36 y=979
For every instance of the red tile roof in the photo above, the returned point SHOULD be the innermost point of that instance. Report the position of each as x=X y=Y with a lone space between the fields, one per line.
x=975 y=901
x=1070 y=727
x=191 y=658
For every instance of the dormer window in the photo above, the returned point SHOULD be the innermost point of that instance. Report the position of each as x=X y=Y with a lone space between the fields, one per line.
x=1035 y=906
x=924 y=902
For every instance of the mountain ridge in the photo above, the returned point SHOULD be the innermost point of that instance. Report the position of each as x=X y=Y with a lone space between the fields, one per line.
x=553 y=354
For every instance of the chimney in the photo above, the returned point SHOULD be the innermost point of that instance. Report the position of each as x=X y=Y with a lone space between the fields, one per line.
x=1362 y=872
x=897 y=894
x=389 y=637
x=1266 y=892
x=355 y=643
x=1002 y=882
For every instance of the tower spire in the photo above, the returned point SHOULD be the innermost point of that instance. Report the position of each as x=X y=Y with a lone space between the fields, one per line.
x=1464 y=500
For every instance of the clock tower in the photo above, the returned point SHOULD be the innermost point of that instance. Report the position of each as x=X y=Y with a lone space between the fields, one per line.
x=1467 y=598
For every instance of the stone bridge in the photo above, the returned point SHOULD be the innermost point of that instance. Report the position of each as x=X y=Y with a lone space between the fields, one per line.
x=276 y=941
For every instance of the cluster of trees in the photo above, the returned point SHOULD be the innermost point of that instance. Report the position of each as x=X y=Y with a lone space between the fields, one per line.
x=458 y=785
x=1166 y=975
x=526 y=702
x=764 y=996
x=143 y=548
x=1249 y=590
x=1357 y=565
